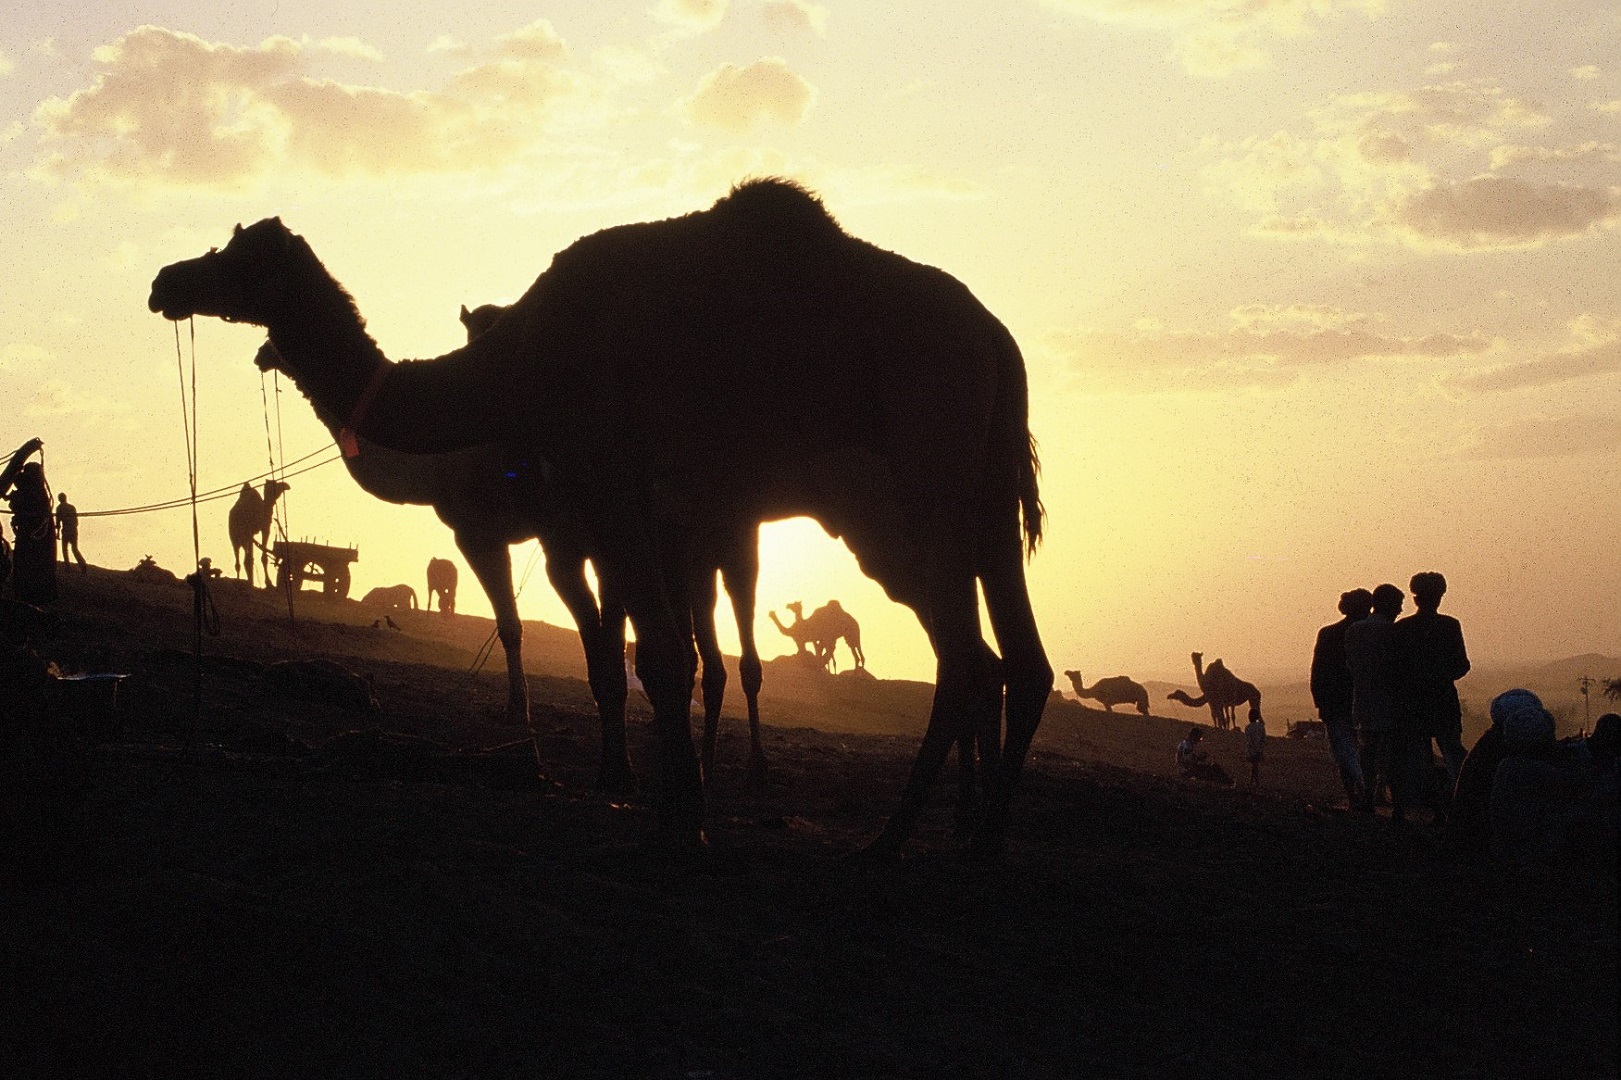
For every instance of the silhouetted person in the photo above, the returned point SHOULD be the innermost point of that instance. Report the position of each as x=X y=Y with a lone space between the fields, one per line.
x=1370 y=656
x=1430 y=650
x=1194 y=764
x=1255 y=745
x=67 y=527
x=1604 y=751
x=33 y=558
x=1539 y=794
x=1470 y=820
x=1331 y=691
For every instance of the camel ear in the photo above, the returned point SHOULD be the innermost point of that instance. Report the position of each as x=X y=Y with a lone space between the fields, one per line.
x=238 y=230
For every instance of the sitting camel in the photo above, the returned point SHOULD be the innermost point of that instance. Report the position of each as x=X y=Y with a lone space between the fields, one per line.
x=392 y=596
x=442 y=577
x=1115 y=690
x=822 y=631
x=1221 y=690
x=251 y=516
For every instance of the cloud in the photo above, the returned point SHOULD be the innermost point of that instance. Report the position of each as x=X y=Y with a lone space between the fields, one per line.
x=1586 y=72
x=1495 y=212
x=1597 y=352
x=795 y=16
x=350 y=46
x=170 y=108
x=738 y=99
x=1577 y=435
x=1215 y=38
x=692 y=15
x=1512 y=154
x=1413 y=167
x=1269 y=345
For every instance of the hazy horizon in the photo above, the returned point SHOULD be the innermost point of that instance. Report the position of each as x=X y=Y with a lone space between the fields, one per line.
x=1311 y=295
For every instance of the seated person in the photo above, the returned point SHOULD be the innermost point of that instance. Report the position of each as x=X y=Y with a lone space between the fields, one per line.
x=1194 y=764
x=1539 y=793
x=1470 y=815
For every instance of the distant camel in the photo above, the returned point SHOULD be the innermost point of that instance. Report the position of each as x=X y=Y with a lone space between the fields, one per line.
x=392 y=596
x=251 y=516
x=442 y=577
x=1115 y=690
x=745 y=363
x=1221 y=690
x=822 y=631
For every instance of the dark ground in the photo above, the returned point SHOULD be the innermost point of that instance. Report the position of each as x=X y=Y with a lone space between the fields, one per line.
x=277 y=887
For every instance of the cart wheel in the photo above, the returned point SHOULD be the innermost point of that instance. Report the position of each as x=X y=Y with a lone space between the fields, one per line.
x=337 y=583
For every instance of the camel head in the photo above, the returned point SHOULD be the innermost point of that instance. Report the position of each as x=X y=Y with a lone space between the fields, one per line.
x=481 y=318
x=275 y=489
x=245 y=281
x=797 y=607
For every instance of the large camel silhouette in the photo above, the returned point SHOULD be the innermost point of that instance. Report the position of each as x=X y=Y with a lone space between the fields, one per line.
x=1115 y=690
x=734 y=555
x=1221 y=690
x=687 y=377
x=822 y=630
x=250 y=516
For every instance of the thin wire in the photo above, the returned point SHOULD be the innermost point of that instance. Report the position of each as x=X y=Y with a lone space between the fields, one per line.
x=226 y=492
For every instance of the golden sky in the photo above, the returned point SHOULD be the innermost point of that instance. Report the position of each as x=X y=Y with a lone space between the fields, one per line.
x=1313 y=293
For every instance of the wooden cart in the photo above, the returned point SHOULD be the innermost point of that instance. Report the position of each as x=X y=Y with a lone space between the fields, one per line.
x=300 y=561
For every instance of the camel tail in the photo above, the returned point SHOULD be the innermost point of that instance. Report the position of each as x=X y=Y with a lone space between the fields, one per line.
x=1032 y=511
x=1019 y=443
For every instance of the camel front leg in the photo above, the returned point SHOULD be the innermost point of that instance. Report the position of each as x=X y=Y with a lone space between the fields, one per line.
x=714 y=664
x=665 y=664
x=740 y=573
x=602 y=637
x=492 y=565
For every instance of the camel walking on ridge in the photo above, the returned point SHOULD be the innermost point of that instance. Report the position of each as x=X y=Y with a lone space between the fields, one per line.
x=442 y=575
x=691 y=377
x=251 y=516
x=1115 y=690
x=822 y=630
x=1221 y=691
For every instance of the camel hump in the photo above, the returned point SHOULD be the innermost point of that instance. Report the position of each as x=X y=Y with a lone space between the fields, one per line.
x=782 y=206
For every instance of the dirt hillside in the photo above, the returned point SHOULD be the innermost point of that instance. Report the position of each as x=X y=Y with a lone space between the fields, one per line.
x=233 y=873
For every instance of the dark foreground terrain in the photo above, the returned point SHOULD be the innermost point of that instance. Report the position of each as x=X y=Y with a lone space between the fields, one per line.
x=243 y=877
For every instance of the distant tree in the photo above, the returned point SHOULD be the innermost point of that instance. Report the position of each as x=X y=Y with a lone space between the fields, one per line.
x=1612 y=689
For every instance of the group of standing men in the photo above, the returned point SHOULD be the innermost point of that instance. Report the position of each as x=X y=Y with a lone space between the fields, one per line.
x=1385 y=688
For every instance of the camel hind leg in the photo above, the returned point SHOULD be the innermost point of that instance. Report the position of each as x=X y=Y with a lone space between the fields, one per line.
x=1026 y=674
x=963 y=672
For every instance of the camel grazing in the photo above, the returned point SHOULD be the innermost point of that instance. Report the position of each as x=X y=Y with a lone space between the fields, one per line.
x=734 y=555
x=1115 y=690
x=689 y=377
x=442 y=577
x=822 y=631
x=392 y=596
x=250 y=516
x=1221 y=690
